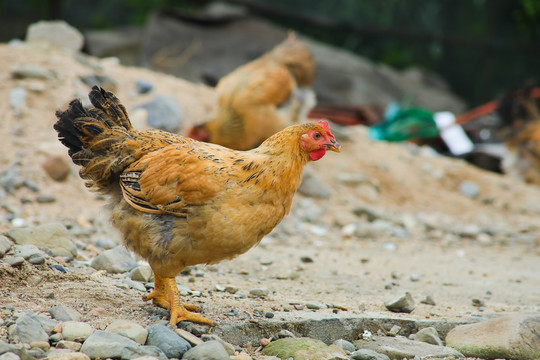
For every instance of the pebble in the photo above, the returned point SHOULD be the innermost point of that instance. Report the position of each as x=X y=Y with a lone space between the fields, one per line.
x=231 y=289
x=104 y=344
x=17 y=98
x=14 y=260
x=167 y=340
x=367 y=354
x=313 y=187
x=53 y=236
x=116 y=260
x=31 y=71
x=469 y=189
x=345 y=345
x=428 y=300
x=142 y=273
x=63 y=354
x=27 y=251
x=129 y=329
x=9 y=356
x=400 y=347
x=64 y=313
x=138 y=352
x=76 y=331
x=210 y=350
x=428 y=335
x=259 y=292
x=43 y=345
x=45 y=199
x=164 y=113
x=401 y=303
x=143 y=86
x=294 y=347
x=56 y=167
x=228 y=347
x=5 y=245
x=70 y=345
x=189 y=337
x=316 y=306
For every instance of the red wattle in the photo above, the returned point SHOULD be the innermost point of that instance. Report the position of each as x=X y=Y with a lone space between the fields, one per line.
x=317 y=154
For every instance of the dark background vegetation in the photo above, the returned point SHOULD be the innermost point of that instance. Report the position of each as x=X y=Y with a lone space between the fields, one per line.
x=481 y=47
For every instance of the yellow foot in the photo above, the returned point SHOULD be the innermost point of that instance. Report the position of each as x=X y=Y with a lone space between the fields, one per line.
x=165 y=293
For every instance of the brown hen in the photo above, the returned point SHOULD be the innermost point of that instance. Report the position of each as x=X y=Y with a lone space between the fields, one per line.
x=180 y=202
x=262 y=97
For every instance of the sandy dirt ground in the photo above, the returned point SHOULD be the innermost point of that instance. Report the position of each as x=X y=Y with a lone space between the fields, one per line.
x=352 y=272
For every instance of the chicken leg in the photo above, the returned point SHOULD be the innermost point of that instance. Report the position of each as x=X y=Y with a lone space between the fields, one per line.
x=166 y=293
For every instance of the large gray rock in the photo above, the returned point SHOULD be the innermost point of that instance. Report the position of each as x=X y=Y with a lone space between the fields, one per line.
x=116 y=260
x=53 y=236
x=428 y=335
x=164 y=338
x=104 y=344
x=514 y=336
x=312 y=186
x=400 y=347
x=57 y=33
x=366 y=354
x=76 y=331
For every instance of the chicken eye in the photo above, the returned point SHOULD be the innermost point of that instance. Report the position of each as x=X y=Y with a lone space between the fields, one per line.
x=317 y=136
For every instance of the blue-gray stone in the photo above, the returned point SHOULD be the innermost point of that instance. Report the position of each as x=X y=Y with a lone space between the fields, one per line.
x=103 y=344
x=366 y=354
x=163 y=113
x=28 y=329
x=164 y=338
x=116 y=260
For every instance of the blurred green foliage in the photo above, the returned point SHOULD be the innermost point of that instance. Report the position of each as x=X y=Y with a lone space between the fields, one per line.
x=480 y=47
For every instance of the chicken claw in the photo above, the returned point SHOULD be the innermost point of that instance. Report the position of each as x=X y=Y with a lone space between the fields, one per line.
x=166 y=293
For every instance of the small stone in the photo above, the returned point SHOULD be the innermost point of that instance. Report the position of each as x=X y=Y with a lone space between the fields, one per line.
x=259 y=292
x=164 y=338
x=302 y=348
x=269 y=315
x=116 y=260
x=14 y=260
x=143 y=86
x=306 y=259
x=469 y=189
x=70 y=345
x=64 y=354
x=316 y=306
x=210 y=350
x=264 y=342
x=228 y=347
x=76 y=331
x=43 y=345
x=5 y=245
x=139 y=352
x=129 y=329
x=17 y=98
x=345 y=345
x=313 y=187
x=393 y=331
x=31 y=71
x=9 y=356
x=164 y=113
x=36 y=259
x=402 y=303
x=192 y=339
x=266 y=262
x=428 y=300
x=142 y=273
x=53 y=236
x=45 y=199
x=477 y=302
x=103 y=344
x=56 y=167
x=415 y=277
x=64 y=313
x=351 y=179
x=367 y=354
x=231 y=289
x=428 y=335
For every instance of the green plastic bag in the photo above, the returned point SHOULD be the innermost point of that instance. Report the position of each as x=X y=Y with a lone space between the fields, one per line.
x=404 y=124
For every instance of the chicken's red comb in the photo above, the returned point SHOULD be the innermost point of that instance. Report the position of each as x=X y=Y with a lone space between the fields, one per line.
x=326 y=127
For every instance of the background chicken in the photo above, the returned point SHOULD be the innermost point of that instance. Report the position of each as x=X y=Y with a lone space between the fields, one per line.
x=262 y=97
x=520 y=131
x=180 y=202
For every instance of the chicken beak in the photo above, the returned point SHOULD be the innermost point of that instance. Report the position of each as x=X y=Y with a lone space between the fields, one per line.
x=334 y=146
